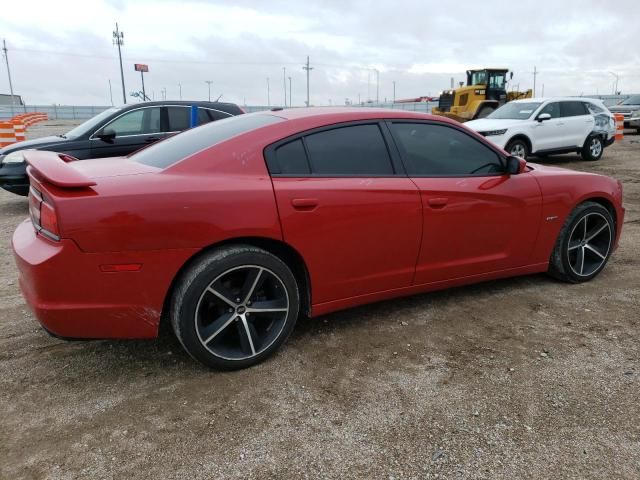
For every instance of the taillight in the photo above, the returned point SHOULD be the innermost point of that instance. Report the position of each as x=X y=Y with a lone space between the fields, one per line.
x=43 y=215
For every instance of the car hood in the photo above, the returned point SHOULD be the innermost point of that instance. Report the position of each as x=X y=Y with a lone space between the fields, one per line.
x=624 y=108
x=487 y=124
x=37 y=143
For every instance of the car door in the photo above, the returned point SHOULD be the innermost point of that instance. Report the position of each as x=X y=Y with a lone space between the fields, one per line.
x=548 y=134
x=578 y=122
x=346 y=206
x=476 y=219
x=133 y=130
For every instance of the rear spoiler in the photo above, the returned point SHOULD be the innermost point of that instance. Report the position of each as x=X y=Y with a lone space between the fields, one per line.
x=50 y=167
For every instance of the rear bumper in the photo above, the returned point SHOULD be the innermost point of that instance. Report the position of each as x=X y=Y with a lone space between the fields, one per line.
x=73 y=298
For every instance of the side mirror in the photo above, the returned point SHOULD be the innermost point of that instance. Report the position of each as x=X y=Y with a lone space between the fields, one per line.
x=107 y=135
x=515 y=165
x=544 y=116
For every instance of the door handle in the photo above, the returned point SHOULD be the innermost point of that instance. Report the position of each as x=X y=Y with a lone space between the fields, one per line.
x=437 y=202
x=304 y=203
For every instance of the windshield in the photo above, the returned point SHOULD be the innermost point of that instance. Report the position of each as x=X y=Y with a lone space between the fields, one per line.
x=90 y=124
x=635 y=100
x=185 y=144
x=479 y=77
x=515 y=110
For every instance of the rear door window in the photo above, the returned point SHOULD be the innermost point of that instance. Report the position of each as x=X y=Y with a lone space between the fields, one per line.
x=572 y=109
x=179 y=118
x=290 y=159
x=355 y=150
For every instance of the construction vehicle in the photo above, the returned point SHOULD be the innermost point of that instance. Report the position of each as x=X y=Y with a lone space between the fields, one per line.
x=485 y=91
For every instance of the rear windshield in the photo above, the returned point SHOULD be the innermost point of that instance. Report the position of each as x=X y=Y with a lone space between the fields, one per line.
x=185 y=144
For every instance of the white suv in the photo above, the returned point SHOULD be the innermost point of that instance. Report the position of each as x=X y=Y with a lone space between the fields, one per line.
x=545 y=126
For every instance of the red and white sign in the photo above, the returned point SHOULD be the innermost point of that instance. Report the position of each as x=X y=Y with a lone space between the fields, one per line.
x=141 y=67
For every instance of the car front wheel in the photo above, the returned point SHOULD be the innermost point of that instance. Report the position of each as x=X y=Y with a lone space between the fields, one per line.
x=234 y=307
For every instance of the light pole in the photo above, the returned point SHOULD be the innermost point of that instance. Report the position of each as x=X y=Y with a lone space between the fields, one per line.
x=377 y=85
x=268 y=93
x=110 y=93
x=180 y=90
x=209 y=82
x=615 y=91
x=290 y=101
x=118 y=39
x=6 y=59
x=284 y=84
x=394 y=91
x=308 y=69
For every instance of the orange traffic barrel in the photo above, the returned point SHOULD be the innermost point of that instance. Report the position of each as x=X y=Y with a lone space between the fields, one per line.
x=7 y=134
x=619 y=126
x=19 y=130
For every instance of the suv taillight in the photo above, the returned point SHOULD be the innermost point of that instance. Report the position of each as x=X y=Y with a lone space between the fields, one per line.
x=43 y=215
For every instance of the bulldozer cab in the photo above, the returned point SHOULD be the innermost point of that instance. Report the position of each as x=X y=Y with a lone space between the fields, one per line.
x=494 y=80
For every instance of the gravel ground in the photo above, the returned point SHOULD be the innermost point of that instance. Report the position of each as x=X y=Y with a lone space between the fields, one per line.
x=521 y=378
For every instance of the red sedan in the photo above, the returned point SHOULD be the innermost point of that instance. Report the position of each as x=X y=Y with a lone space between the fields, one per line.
x=231 y=230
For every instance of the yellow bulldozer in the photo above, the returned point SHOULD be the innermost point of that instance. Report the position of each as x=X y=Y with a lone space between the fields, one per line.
x=485 y=91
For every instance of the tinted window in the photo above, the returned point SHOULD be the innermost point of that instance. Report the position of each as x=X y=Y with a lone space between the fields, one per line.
x=203 y=116
x=179 y=118
x=552 y=109
x=137 y=122
x=435 y=150
x=572 y=109
x=218 y=115
x=353 y=150
x=290 y=159
x=185 y=144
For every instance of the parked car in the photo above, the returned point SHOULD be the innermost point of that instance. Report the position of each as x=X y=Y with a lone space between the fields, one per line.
x=229 y=231
x=546 y=126
x=630 y=110
x=116 y=131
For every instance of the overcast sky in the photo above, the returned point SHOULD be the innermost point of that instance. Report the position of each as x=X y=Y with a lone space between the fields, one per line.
x=61 y=51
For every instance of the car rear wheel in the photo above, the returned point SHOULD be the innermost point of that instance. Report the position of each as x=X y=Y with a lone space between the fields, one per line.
x=593 y=148
x=584 y=244
x=518 y=148
x=234 y=307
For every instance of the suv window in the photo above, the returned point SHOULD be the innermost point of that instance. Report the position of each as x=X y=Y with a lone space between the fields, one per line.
x=593 y=108
x=137 y=122
x=179 y=118
x=572 y=109
x=350 y=150
x=179 y=147
x=552 y=109
x=217 y=115
x=436 y=150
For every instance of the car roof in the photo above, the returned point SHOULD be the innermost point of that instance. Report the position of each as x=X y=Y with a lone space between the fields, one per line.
x=222 y=106
x=556 y=99
x=339 y=114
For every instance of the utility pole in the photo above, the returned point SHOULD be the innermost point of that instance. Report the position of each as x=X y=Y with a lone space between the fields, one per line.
x=308 y=69
x=535 y=74
x=268 y=93
x=6 y=59
x=394 y=91
x=180 y=90
x=209 y=82
x=290 y=101
x=110 y=93
x=284 y=84
x=118 y=39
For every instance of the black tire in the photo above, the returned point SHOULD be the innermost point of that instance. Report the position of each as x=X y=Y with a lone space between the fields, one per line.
x=204 y=297
x=565 y=258
x=484 y=112
x=592 y=149
x=518 y=147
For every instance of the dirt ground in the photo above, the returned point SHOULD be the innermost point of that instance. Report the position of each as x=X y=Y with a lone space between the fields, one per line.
x=514 y=379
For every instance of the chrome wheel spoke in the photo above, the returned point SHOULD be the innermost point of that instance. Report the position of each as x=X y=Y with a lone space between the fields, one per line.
x=267 y=306
x=223 y=295
x=597 y=232
x=590 y=248
x=579 y=266
x=584 y=235
x=247 y=335
x=251 y=282
x=214 y=329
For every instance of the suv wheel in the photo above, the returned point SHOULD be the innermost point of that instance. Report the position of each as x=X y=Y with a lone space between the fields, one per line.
x=593 y=148
x=518 y=148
